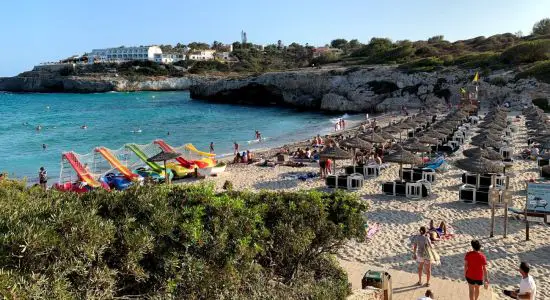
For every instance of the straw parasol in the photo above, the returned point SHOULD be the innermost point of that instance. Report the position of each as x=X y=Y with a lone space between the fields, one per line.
x=373 y=138
x=334 y=153
x=402 y=156
x=435 y=134
x=487 y=143
x=392 y=129
x=479 y=165
x=386 y=135
x=426 y=139
x=414 y=145
x=164 y=156
x=485 y=153
x=484 y=136
x=356 y=143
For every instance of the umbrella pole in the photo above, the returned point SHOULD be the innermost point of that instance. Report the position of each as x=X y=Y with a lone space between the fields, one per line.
x=166 y=173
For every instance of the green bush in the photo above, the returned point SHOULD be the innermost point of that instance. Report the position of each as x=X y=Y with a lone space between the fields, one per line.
x=478 y=60
x=540 y=71
x=527 y=52
x=205 y=66
x=179 y=242
x=422 y=65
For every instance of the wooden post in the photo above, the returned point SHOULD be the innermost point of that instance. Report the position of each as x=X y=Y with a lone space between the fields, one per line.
x=492 y=219
x=505 y=217
x=525 y=212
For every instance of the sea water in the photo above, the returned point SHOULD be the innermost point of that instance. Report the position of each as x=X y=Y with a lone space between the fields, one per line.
x=114 y=119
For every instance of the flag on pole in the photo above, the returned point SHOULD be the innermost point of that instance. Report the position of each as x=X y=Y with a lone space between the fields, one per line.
x=476 y=77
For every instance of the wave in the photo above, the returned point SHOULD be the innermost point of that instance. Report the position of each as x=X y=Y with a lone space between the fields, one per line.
x=335 y=120
x=258 y=141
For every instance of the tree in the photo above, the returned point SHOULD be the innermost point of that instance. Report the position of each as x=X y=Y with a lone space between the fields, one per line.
x=339 y=43
x=354 y=44
x=199 y=46
x=279 y=44
x=542 y=27
x=519 y=34
x=436 y=39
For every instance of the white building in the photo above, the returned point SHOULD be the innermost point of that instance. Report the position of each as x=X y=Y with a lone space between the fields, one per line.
x=202 y=55
x=122 y=54
x=223 y=55
x=169 y=58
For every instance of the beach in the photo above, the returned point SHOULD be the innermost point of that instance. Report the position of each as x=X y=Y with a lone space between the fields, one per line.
x=400 y=218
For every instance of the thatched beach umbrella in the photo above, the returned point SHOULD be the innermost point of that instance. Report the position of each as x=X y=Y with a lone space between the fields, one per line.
x=426 y=139
x=355 y=143
x=414 y=145
x=435 y=134
x=485 y=153
x=334 y=153
x=479 y=165
x=402 y=156
x=164 y=156
x=484 y=136
x=373 y=138
x=488 y=143
x=386 y=135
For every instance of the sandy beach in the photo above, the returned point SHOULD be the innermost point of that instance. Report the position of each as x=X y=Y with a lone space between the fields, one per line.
x=400 y=218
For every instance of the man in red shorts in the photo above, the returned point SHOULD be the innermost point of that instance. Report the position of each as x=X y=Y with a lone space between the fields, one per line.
x=475 y=270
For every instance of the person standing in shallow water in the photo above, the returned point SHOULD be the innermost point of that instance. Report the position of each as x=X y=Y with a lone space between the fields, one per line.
x=211 y=147
x=235 y=148
x=44 y=146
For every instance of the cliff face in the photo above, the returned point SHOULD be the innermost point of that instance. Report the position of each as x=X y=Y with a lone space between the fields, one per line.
x=360 y=89
x=73 y=84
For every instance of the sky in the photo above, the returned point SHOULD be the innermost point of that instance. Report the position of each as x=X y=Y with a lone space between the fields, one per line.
x=35 y=31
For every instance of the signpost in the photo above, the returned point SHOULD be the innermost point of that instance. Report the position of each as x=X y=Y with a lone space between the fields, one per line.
x=499 y=197
x=537 y=204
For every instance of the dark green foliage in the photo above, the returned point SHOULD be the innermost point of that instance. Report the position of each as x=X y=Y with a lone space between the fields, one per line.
x=208 y=66
x=527 y=52
x=339 y=43
x=422 y=65
x=542 y=103
x=542 y=27
x=325 y=59
x=540 y=71
x=180 y=242
x=478 y=60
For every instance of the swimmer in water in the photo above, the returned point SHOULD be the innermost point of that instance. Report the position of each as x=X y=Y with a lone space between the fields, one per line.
x=84 y=127
x=38 y=128
x=168 y=133
x=44 y=146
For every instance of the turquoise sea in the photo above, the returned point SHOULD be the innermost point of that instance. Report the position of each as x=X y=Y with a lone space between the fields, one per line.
x=114 y=119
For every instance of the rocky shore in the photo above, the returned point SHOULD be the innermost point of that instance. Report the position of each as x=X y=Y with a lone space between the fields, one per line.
x=365 y=89
x=334 y=89
x=76 y=84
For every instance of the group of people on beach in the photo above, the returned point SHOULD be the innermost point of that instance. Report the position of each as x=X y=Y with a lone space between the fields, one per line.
x=475 y=265
x=340 y=125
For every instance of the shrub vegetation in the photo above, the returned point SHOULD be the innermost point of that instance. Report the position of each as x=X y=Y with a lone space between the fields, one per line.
x=180 y=242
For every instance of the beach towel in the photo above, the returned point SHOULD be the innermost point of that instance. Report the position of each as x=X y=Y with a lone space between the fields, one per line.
x=370 y=231
x=432 y=255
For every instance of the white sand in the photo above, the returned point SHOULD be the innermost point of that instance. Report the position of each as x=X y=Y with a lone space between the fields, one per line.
x=400 y=218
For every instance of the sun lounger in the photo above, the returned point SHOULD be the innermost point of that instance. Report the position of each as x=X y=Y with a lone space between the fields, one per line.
x=412 y=190
x=365 y=170
x=345 y=181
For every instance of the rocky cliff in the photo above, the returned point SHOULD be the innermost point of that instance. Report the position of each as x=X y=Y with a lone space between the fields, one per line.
x=364 y=89
x=74 y=84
